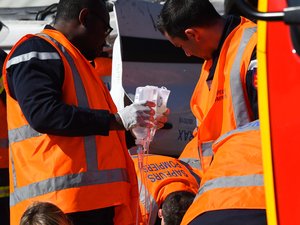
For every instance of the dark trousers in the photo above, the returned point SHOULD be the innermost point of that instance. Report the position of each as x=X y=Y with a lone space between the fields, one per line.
x=103 y=216
x=4 y=214
x=4 y=201
x=232 y=217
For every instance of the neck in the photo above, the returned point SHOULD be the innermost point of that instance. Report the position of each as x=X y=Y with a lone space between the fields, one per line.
x=218 y=29
x=68 y=29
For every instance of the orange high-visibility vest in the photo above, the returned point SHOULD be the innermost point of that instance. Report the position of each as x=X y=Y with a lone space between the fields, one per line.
x=190 y=156
x=234 y=179
x=103 y=66
x=224 y=106
x=159 y=177
x=75 y=173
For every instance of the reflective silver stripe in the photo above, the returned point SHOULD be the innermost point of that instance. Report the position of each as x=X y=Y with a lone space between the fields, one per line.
x=80 y=91
x=22 y=133
x=27 y=56
x=249 y=126
x=151 y=206
x=89 y=141
x=3 y=143
x=90 y=148
x=193 y=163
x=207 y=148
x=232 y=182
x=238 y=99
x=13 y=168
x=68 y=181
x=252 y=65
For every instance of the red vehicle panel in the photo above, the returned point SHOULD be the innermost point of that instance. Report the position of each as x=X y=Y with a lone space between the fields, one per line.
x=283 y=77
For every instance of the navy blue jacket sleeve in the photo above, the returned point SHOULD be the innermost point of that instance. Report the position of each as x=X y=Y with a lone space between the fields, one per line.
x=37 y=85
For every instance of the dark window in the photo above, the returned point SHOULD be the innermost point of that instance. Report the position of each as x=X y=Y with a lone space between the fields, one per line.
x=295 y=29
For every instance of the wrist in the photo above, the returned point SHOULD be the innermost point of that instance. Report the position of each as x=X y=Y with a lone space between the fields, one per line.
x=116 y=122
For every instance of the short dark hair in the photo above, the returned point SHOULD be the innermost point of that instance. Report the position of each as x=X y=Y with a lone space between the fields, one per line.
x=44 y=213
x=178 y=15
x=70 y=9
x=175 y=206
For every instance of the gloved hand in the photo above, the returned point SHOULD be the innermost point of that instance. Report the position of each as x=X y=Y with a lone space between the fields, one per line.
x=137 y=114
x=162 y=119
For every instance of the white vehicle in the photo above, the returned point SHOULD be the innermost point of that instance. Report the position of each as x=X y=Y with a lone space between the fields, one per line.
x=141 y=56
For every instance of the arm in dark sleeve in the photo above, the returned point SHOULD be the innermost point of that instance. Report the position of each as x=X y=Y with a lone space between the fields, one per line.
x=130 y=139
x=251 y=85
x=37 y=86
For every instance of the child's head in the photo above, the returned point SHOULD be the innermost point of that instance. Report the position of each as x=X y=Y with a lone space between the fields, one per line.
x=44 y=213
x=175 y=206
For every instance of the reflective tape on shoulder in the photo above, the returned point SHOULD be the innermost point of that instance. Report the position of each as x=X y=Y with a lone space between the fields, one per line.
x=30 y=55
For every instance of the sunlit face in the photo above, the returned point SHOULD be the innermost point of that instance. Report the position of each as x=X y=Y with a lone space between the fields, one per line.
x=197 y=44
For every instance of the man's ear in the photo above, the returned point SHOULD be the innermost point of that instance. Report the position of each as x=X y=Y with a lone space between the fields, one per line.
x=191 y=33
x=159 y=213
x=83 y=16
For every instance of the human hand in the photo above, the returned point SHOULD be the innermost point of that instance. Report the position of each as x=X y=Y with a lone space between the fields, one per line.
x=138 y=114
x=162 y=119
